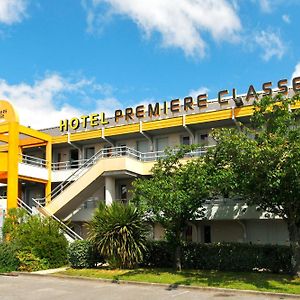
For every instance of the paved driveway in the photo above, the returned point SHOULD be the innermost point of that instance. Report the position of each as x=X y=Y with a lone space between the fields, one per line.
x=46 y=288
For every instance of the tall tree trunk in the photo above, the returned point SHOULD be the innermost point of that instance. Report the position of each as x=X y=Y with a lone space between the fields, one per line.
x=294 y=233
x=178 y=251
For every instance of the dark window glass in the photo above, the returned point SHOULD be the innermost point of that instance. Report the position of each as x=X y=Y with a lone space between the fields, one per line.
x=185 y=140
x=123 y=192
x=207 y=234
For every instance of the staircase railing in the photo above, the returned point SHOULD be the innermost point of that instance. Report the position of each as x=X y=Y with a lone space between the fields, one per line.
x=64 y=227
x=75 y=175
x=107 y=153
x=40 y=209
x=24 y=205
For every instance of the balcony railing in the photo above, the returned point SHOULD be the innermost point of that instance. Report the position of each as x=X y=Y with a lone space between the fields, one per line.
x=124 y=151
x=33 y=161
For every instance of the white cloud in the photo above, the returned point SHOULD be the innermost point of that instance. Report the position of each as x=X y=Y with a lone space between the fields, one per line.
x=271 y=44
x=296 y=72
x=44 y=103
x=12 y=11
x=108 y=106
x=286 y=19
x=181 y=24
x=197 y=92
x=265 y=5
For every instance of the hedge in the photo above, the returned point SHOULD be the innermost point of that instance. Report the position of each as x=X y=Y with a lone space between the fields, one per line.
x=81 y=254
x=223 y=257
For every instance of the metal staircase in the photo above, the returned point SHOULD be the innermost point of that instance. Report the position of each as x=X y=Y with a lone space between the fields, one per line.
x=70 y=193
x=107 y=153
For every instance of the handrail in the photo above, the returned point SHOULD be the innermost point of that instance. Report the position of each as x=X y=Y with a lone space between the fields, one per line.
x=65 y=228
x=112 y=152
x=68 y=164
x=73 y=176
x=24 y=205
x=31 y=160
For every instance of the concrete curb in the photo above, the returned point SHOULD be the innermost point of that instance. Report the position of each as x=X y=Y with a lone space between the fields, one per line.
x=168 y=286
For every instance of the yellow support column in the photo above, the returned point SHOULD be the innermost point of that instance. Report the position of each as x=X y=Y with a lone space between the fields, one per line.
x=49 y=160
x=12 y=172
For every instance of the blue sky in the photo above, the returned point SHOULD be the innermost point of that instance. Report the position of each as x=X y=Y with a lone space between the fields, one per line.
x=70 y=57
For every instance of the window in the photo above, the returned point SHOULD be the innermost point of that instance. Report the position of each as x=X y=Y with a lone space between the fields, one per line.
x=207 y=234
x=123 y=192
x=74 y=158
x=204 y=139
x=161 y=144
x=142 y=146
x=89 y=152
x=185 y=140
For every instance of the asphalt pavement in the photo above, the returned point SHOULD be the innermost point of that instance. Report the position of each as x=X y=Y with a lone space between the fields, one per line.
x=49 y=288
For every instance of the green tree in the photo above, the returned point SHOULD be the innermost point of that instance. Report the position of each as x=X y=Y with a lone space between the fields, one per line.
x=33 y=234
x=119 y=233
x=174 y=194
x=263 y=162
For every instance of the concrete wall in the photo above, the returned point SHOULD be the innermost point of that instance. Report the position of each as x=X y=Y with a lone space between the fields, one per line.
x=249 y=231
x=246 y=231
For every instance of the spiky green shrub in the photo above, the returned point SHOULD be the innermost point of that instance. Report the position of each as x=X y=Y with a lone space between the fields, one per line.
x=119 y=233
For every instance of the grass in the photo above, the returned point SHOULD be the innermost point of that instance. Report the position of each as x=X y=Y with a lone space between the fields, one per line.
x=236 y=280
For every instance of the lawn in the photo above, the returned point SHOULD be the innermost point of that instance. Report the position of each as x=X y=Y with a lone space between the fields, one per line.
x=247 y=281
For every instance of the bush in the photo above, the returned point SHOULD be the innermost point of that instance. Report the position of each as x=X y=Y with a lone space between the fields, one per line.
x=40 y=236
x=81 y=254
x=8 y=257
x=223 y=257
x=158 y=254
x=30 y=263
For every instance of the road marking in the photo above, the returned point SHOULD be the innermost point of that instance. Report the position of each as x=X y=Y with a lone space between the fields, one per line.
x=179 y=294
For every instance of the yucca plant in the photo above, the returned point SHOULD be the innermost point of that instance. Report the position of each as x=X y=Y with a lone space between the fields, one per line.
x=119 y=233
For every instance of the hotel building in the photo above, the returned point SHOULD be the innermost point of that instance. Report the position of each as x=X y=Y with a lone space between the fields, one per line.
x=66 y=170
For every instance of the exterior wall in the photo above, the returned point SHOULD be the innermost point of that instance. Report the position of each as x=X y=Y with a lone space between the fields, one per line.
x=225 y=231
x=158 y=232
x=64 y=151
x=247 y=231
x=33 y=171
x=267 y=232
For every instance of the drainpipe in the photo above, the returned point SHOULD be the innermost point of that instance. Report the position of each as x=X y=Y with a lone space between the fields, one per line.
x=74 y=146
x=105 y=138
x=234 y=119
x=147 y=136
x=191 y=134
